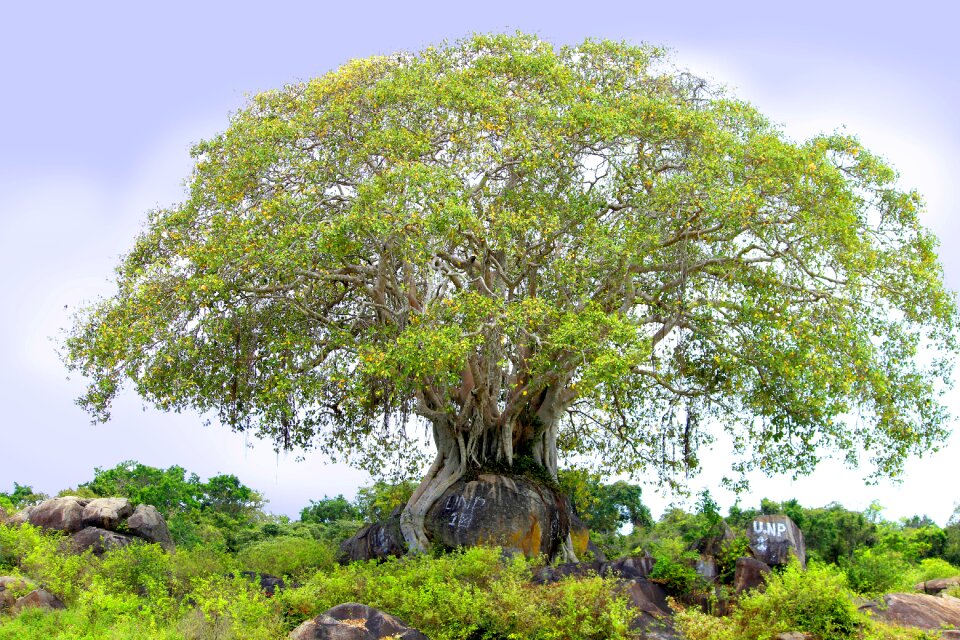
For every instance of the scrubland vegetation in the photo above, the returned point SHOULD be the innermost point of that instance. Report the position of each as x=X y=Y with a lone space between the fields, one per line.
x=221 y=530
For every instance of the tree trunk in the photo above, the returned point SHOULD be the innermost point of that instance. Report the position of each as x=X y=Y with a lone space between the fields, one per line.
x=481 y=446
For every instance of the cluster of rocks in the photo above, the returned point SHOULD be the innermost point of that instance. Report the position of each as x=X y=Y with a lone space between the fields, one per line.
x=98 y=524
x=17 y=593
x=353 y=621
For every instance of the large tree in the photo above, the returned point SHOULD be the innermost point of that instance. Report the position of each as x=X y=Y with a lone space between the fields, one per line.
x=532 y=250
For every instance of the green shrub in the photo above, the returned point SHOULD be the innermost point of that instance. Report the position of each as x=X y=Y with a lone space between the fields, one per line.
x=932 y=569
x=470 y=595
x=287 y=556
x=816 y=601
x=229 y=608
x=675 y=566
x=876 y=571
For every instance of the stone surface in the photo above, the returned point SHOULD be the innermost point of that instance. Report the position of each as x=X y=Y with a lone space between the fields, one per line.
x=147 y=523
x=918 y=610
x=933 y=587
x=99 y=541
x=19 y=518
x=354 y=621
x=516 y=513
x=749 y=573
x=628 y=568
x=377 y=541
x=40 y=598
x=794 y=635
x=106 y=513
x=268 y=583
x=11 y=587
x=654 y=617
x=583 y=546
x=706 y=567
x=773 y=539
x=63 y=514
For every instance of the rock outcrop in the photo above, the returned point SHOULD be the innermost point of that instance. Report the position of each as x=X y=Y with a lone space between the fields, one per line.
x=99 y=524
x=377 y=541
x=63 y=514
x=934 y=587
x=106 y=513
x=38 y=598
x=516 y=513
x=774 y=539
x=628 y=568
x=11 y=588
x=917 y=610
x=354 y=621
x=147 y=523
x=749 y=573
x=99 y=540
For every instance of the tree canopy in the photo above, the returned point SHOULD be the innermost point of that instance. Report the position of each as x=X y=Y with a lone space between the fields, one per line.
x=536 y=251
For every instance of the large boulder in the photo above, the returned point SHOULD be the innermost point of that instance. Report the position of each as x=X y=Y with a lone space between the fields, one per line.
x=38 y=598
x=19 y=518
x=653 y=613
x=354 y=621
x=516 y=513
x=749 y=573
x=106 y=513
x=377 y=541
x=63 y=514
x=774 y=539
x=99 y=541
x=933 y=587
x=583 y=546
x=11 y=587
x=147 y=523
x=916 y=610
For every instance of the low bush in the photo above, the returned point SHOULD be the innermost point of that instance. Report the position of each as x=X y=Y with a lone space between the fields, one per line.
x=287 y=556
x=816 y=601
x=875 y=571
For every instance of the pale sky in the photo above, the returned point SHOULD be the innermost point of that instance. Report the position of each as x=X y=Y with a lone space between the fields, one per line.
x=101 y=101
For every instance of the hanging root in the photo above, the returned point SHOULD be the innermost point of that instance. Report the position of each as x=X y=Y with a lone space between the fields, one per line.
x=448 y=467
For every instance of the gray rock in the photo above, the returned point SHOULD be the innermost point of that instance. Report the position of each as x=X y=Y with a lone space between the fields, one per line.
x=650 y=601
x=377 y=541
x=62 y=514
x=749 y=573
x=38 y=598
x=106 y=513
x=918 y=610
x=147 y=523
x=706 y=568
x=354 y=621
x=583 y=546
x=773 y=539
x=794 y=635
x=10 y=588
x=99 y=541
x=516 y=513
x=19 y=518
x=933 y=587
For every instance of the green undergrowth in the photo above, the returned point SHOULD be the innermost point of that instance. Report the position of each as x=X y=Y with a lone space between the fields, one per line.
x=141 y=591
x=816 y=600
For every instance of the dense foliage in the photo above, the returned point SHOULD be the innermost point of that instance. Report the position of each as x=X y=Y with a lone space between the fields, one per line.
x=539 y=251
x=198 y=592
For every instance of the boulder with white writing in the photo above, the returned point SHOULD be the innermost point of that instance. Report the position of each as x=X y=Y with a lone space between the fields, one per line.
x=774 y=539
x=521 y=515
